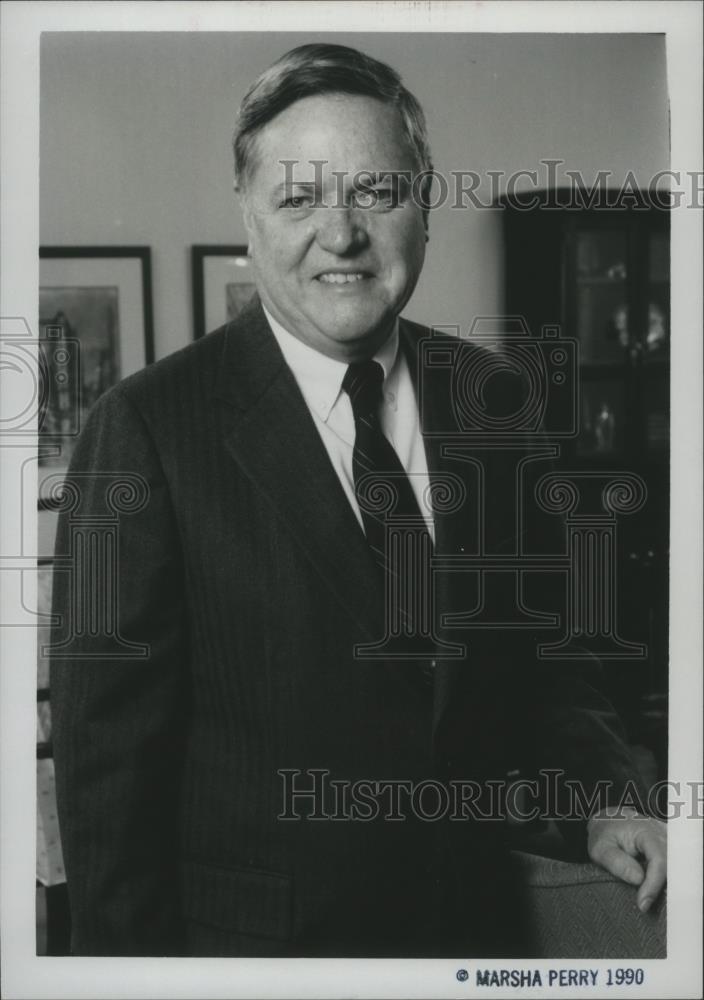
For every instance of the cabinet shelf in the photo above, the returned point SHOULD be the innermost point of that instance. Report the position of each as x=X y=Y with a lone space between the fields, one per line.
x=583 y=279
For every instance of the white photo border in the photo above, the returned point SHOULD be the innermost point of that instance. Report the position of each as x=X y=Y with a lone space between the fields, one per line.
x=26 y=975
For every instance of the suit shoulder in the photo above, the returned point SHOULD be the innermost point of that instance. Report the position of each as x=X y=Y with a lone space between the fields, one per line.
x=182 y=374
x=198 y=360
x=413 y=331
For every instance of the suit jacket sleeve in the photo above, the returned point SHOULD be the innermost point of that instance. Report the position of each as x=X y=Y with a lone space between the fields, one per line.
x=573 y=728
x=118 y=719
x=580 y=738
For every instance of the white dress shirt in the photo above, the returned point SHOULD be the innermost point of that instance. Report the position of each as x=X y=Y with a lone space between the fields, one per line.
x=320 y=380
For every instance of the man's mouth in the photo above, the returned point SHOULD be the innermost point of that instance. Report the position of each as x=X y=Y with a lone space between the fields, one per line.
x=341 y=278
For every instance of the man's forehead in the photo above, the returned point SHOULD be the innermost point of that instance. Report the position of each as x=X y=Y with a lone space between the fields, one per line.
x=347 y=132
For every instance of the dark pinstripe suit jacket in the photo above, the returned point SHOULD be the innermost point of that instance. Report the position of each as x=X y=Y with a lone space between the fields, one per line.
x=247 y=575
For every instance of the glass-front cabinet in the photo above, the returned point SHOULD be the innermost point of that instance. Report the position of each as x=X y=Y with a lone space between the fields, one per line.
x=603 y=276
x=617 y=303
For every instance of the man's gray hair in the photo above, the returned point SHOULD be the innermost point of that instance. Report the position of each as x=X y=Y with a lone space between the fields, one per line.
x=314 y=69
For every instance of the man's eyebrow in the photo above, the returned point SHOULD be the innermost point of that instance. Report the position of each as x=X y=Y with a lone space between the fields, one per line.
x=374 y=177
x=363 y=177
x=285 y=185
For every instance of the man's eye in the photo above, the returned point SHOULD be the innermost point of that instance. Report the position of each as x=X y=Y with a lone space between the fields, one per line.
x=297 y=201
x=379 y=198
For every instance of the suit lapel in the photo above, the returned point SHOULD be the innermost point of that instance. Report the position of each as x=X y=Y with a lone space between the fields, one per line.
x=435 y=418
x=272 y=436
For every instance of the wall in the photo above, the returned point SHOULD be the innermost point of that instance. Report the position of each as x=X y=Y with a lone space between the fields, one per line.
x=136 y=128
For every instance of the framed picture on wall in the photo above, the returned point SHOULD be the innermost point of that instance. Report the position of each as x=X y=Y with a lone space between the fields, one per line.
x=95 y=327
x=222 y=284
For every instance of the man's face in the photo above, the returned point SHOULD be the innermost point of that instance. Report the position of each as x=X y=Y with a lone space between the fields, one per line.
x=336 y=275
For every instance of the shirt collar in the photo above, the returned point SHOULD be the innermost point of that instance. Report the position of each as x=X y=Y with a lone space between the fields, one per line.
x=320 y=377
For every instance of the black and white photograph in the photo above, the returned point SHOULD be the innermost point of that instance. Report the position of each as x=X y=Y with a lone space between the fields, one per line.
x=352 y=597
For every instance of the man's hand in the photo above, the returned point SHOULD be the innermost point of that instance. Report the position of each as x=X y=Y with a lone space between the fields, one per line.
x=615 y=840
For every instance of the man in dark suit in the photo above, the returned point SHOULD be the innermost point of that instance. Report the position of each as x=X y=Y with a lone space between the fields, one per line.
x=199 y=738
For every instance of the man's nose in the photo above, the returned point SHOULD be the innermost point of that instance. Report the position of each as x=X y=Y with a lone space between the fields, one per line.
x=340 y=230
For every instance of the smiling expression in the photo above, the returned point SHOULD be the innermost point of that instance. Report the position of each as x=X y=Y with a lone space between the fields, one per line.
x=337 y=247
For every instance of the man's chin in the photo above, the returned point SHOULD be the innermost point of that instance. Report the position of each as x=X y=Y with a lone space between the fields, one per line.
x=356 y=327
x=358 y=342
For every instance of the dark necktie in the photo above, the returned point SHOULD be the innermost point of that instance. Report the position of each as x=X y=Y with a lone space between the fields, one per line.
x=376 y=467
x=381 y=482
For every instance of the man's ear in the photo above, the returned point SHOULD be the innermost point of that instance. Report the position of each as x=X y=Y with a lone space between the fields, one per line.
x=425 y=201
x=246 y=210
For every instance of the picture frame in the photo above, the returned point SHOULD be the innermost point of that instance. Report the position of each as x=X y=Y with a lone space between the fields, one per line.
x=223 y=282
x=96 y=326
